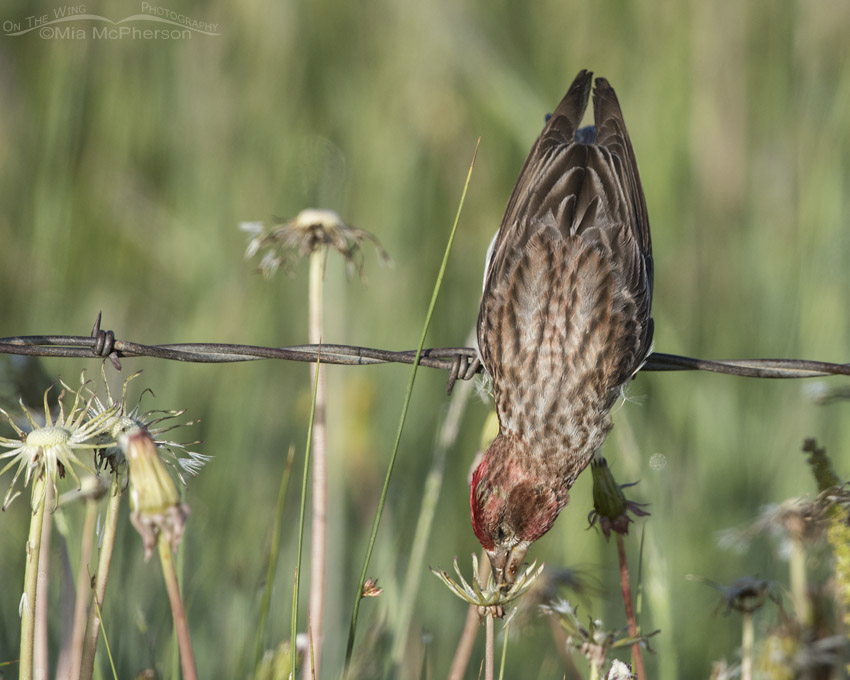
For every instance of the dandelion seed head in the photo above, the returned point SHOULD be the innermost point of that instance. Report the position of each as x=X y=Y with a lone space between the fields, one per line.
x=48 y=438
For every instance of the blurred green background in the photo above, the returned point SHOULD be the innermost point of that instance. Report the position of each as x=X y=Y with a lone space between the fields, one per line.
x=126 y=165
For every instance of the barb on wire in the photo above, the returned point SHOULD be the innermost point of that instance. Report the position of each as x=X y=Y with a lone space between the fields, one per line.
x=461 y=362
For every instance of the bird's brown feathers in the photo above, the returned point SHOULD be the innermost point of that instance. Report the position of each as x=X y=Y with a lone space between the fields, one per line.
x=565 y=319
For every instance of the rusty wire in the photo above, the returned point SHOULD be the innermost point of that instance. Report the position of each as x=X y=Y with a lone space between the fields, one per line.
x=461 y=362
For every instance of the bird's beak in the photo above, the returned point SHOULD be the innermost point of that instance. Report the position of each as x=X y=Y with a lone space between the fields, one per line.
x=506 y=561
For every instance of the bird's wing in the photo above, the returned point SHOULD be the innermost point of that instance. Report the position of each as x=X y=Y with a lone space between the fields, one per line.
x=568 y=285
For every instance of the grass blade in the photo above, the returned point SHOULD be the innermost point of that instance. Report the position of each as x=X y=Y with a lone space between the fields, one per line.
x=373 y=535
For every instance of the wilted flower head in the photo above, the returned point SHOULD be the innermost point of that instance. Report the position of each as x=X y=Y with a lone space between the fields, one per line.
x=154 y=502
x=125 y=418
x=746 y=595
x=593 y=641
x=490 y=599
x=310 y=230
x=794 y=519
x=50 y=449
x=610 y=506
x=371 y=588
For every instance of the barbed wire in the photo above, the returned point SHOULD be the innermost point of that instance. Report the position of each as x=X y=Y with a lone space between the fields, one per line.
x=461 y=362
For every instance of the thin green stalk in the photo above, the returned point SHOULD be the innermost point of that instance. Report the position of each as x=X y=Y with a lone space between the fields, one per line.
x=30 y=582
x=318 y=531
x=106 y=644
x=376 y=523
x=274 y=553
x=102 y=576
x=292 y=650
x=178 y=611
x=427 y=511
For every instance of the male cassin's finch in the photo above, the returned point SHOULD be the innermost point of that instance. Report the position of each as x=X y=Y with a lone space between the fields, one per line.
x=565 y=319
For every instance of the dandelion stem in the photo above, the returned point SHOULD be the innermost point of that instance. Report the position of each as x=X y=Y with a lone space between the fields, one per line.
x=799 y=582
x=352 y=631
x=293 y=651
x=470 y=629
x=504 y=649
x=488 y=646
x=102 y=576
x=637 y=652
x=31 y=581
x=83 y=594
x=40 y=664
x=464 y=645
x=320 y=474
x=747 y=646
x=178 y=612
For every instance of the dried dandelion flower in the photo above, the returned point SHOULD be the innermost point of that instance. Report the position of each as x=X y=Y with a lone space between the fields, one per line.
x=309 y=231
x=51 y=449
x=176 y=454
x=593 y=641
x=154 y=502
x=746 y=595
x=489 y=598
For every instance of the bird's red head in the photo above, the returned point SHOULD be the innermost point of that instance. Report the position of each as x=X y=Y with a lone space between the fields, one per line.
x=512 y=506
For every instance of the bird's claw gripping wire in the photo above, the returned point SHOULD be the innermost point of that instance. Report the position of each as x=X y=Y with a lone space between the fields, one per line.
x=463 y=367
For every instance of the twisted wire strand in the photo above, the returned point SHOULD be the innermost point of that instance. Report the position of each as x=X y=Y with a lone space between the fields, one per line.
x=461 y=362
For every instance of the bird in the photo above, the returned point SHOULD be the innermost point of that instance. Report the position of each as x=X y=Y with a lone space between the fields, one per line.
x=565 y=320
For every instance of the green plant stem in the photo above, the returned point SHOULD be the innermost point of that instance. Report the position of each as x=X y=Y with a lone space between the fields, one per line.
x=747 y=646
x=83 y=589
x=637 y=652
x=293 y=652
x=178 y=612
x=40 y=663
x=430 y=497
x=274 y=553
x=488 y=646
x=104 y=560
x=318 y=540
x=799 y=583
x=106 y=645
x=33 y=549
x=377 y=521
